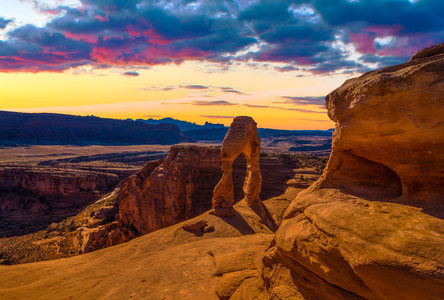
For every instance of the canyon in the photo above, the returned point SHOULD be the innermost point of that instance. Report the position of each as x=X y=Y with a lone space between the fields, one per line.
x=31 y=199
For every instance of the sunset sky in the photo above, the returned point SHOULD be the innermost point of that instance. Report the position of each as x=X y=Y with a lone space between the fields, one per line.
x=202 y=60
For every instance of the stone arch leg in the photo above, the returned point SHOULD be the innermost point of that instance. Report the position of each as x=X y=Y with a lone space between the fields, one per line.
x=223 y=198
x=253 y=179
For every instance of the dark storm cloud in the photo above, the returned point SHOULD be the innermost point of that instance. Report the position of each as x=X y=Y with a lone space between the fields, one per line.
x=4 y=22
x=303 y=34
x=422 y=16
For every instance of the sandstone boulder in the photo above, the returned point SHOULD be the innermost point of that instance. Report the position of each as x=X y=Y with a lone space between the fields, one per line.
x=372 y=226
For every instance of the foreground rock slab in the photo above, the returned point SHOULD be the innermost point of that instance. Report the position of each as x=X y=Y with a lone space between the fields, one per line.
x=171 y=263
x=372 y=226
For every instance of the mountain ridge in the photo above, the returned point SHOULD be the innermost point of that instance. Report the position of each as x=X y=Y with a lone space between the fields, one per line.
x=58 y=129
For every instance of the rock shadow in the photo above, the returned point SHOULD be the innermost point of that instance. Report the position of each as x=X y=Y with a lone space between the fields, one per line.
x=238 y=222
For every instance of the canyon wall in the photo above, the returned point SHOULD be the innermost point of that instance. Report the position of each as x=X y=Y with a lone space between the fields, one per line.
x=31 y=199
x=56 y=188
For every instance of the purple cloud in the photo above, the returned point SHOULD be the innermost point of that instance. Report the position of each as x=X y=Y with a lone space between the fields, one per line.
x=213 y=103
x=312 y=35
x=131 y=74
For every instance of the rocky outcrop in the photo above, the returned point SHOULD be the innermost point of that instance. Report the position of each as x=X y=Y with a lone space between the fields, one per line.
x=242 y=138
x=180 y=187
x=31 y=199
x=372 y=226
x=57 y=189
x=173 y=192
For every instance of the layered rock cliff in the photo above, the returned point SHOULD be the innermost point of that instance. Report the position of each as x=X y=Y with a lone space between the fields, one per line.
x=29 y=197
x=58 y=189
x=372 y=226
x=174 y=191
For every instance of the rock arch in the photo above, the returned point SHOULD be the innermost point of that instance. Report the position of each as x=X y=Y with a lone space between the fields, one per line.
x=242 y=138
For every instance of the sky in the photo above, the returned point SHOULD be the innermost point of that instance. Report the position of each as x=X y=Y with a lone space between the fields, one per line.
x=202 y=60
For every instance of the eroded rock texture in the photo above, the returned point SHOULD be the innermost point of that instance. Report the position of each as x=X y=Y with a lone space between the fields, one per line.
x=242 y=138
x=32 y=199
x=167 y=192
x=172 y=192
x=56 y=188
x=161 y=194
x=372 y=226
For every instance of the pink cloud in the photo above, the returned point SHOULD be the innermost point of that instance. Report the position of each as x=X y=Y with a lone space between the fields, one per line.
x=364 y=42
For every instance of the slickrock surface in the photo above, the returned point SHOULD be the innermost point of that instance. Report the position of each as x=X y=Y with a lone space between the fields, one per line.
x=242 y=138
x=171 y=263
x=372 y=226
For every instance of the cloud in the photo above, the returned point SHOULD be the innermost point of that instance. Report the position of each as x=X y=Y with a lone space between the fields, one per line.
x=314 y=120
x=287 y=68
x=197 y=87
x=213 y=103
x=302 y=110
x=317 y=36
x=381 y=61
x=131 y=74
x=306 y=100
x=194 y=87
x=218 y=117
x=284 y=108
x=231 y=90
x=4 y=22
x=258 y=106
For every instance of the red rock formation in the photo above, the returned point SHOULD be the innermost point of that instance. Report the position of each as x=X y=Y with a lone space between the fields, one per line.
x=164 y=193
x=57 y=189
x=372 y=227
x=173 y=192
x=242 y=138
x=31 y=199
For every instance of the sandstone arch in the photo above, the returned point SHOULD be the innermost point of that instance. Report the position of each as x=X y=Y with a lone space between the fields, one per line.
x=242 y=138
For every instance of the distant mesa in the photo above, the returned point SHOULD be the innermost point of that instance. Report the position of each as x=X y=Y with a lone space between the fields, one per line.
x=58 y=129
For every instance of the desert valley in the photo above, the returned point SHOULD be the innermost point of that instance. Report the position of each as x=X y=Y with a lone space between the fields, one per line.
x=176 y=210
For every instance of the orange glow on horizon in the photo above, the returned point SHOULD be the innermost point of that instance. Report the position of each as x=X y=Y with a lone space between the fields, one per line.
x=187 y=92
